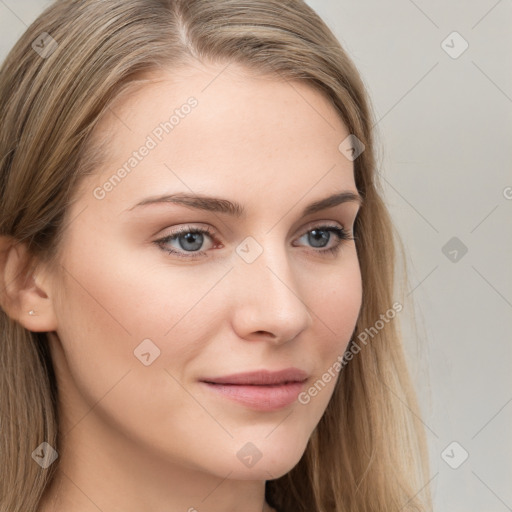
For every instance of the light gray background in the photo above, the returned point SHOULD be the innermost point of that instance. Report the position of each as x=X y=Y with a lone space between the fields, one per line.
x=444 y=130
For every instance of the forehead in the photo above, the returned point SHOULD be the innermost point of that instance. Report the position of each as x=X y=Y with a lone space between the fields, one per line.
x=211 y=129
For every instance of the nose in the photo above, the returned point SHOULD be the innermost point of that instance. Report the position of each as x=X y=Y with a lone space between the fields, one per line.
x=267 y=301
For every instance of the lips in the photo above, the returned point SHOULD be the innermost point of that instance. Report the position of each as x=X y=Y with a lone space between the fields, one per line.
x=261 y=390
x=260 y=378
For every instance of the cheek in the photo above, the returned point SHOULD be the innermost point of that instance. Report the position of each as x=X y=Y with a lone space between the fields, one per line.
x=336 y=305
x=104 y=314
x=113 y=309
x=335 y=308
x=96 y=338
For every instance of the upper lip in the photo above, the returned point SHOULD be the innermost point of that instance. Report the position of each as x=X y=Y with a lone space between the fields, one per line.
x=261 y=377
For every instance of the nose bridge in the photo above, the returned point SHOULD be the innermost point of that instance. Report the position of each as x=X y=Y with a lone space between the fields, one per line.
x=268 y=298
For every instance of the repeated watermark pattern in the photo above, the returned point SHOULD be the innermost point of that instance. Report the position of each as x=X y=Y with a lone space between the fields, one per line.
x=454 y=47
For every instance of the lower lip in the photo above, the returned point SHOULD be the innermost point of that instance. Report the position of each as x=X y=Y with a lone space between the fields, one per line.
x=261 y=398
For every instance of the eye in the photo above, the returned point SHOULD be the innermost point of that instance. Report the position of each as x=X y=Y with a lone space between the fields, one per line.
x=190 y=240
x=320 y=236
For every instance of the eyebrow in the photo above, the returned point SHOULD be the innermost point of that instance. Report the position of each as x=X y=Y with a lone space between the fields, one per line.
x=218 y=205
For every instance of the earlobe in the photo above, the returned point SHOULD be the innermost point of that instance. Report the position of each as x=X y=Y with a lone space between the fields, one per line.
x=22 y=297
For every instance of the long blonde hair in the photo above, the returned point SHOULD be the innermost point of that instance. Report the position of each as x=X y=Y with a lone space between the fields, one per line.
x=368 y=452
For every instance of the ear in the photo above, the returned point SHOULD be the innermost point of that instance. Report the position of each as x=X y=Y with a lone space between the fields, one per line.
x=25 y=287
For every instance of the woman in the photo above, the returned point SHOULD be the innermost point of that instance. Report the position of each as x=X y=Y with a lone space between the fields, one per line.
x=197 y=268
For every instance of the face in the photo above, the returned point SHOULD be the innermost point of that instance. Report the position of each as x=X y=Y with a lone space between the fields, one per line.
x=154 y=297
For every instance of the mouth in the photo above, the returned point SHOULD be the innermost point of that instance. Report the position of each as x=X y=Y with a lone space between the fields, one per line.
x=261 y=390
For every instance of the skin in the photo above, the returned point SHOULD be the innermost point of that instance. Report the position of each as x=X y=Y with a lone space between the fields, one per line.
x=152 y=438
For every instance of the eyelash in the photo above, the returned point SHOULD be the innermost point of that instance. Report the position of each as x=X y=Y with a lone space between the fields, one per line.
x=340 y=233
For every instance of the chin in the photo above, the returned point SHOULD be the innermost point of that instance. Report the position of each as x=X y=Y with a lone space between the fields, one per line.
x=271 y=458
